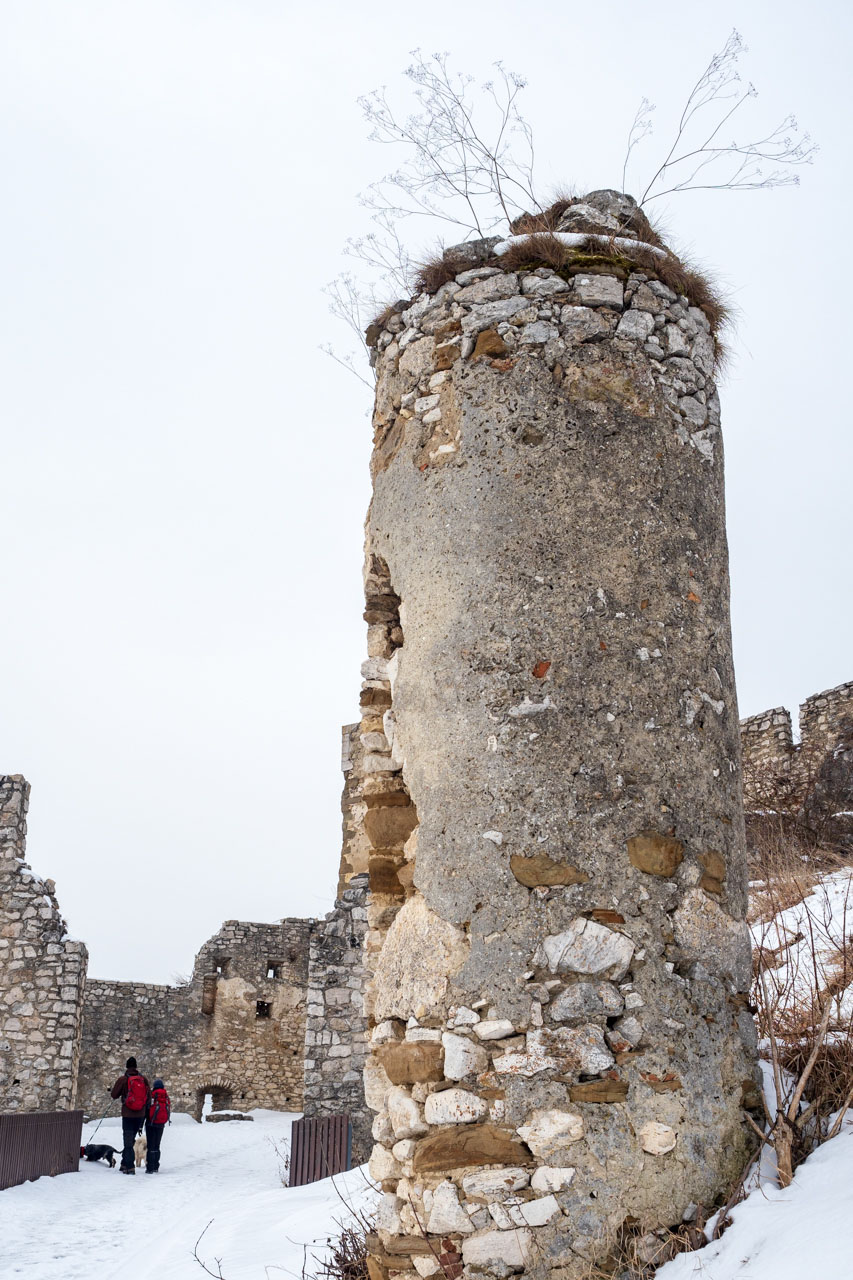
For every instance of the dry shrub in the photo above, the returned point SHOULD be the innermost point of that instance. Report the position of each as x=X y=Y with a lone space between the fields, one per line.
x=783 y=868
x=542 y=248
x=434 y=272
x=347 y=1256
x=800 y=975
x=636 y=1252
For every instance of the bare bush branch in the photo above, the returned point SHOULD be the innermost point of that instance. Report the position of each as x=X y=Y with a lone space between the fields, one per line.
x=698 y=159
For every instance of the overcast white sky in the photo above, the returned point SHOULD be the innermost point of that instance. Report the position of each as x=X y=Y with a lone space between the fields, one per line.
x=185 y=474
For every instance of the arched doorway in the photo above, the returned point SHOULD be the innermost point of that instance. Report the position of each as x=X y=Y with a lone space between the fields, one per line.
x=215 y=1095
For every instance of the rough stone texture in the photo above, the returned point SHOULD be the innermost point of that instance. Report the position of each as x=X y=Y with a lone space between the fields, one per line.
x=335 y=1026
x=546 y=541
x=206 y=1037
x=42 y=972
x=817 y=771
x=355 y=844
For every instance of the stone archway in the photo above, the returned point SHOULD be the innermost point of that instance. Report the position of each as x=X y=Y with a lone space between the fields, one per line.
x=221 y=1091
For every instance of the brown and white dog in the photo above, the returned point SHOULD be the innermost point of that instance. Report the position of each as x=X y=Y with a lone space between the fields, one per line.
x=140 y=1147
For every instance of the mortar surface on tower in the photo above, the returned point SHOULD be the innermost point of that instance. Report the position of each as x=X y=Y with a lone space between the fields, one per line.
x=558 y=957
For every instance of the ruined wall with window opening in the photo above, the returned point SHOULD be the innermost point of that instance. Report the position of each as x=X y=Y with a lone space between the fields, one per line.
x=237 y=1029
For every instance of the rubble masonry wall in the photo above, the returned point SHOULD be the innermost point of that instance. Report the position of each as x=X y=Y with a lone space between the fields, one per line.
x=208 y=1036
x=558 y=956
x=42 y=972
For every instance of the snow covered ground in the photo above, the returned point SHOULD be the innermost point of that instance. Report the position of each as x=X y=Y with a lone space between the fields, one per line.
x=804 y=1231
x=97 y=1224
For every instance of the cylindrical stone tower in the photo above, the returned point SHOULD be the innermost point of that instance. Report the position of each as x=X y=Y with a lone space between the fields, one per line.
x=560 y=1039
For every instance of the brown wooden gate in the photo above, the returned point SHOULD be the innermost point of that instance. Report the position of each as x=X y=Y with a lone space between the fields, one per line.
x=319 y=1147
x=38 y=1143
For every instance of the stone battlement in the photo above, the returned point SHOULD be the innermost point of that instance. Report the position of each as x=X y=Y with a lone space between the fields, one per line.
x=826 y=719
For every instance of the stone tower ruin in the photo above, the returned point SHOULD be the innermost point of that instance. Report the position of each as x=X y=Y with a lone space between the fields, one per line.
x=559 y=963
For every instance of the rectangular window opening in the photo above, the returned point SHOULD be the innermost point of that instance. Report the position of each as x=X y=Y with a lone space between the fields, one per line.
x=263 y=1009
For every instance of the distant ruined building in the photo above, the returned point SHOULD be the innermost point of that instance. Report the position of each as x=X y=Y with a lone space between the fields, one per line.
x=235 y=1031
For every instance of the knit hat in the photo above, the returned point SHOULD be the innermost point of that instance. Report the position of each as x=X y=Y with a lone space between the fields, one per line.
x=158 y=1084
x=130 y=1065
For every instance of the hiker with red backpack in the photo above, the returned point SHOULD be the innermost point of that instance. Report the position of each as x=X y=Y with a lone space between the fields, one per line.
x=156 y=1119
x=134 y=1092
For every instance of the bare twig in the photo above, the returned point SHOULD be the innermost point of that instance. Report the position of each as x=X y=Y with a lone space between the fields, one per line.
x=717 y=96
x=217 y=1274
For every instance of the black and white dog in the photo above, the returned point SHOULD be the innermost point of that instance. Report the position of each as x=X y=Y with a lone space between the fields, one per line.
x=99 y=1151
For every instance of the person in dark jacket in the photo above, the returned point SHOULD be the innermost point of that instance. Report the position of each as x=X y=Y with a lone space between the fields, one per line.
x=156 y=1119
x=132 y=1088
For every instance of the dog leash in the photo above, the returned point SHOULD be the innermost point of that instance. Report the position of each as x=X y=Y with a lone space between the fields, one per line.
x=101 y=1121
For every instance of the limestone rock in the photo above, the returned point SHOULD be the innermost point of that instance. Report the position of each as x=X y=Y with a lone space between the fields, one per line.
x=498 y=1252
x=587 y=947
x=656 y=854
x=405 y=1115
x=549 y=1130
x=501 y=285
x=494 y=1029
x=382 y=1130
x=582 y=324
x=551 y=1179
x=657 y=1138
x=446 y=1215
x=420 y=952
x=586 y=999
x=454 y=1106
x=535 y=1213
x=635 y=324
x=382 y=1165
x=462 y=1057
x=494 y=1184
x=376 y=1084
x=706 y=933
x=599 y=291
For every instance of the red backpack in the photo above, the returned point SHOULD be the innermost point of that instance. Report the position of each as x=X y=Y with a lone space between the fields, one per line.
x=159 y=1108
x=137 y=1093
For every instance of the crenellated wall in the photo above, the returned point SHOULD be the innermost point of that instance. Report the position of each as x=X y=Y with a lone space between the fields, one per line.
x=813 y=776
x=236 y=1030
x=42 y=972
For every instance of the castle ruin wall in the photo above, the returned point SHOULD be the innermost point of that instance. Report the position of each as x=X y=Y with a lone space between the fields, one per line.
x=336 y=1028
x=236 y=1030
x=42 y=972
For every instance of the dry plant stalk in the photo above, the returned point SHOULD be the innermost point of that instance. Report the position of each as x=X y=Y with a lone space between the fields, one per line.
x=800 y=977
